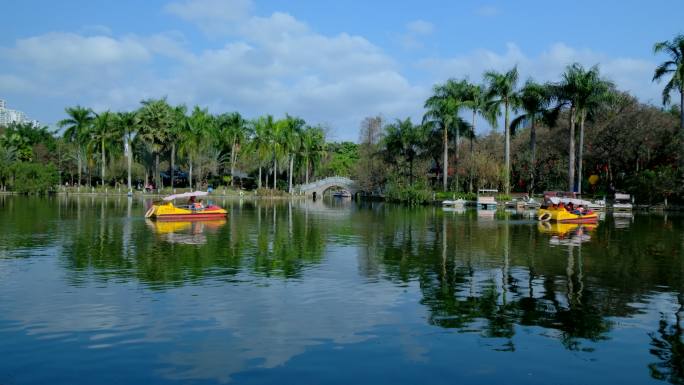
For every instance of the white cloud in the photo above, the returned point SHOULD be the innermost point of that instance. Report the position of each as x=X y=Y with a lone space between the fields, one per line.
x=420 y=27
x=273 y=64
x=629 y=74
x=212 y=16
x=488 y=11
x=416 y=31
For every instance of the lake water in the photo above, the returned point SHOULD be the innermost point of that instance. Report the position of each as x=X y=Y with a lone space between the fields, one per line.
x=334 y=293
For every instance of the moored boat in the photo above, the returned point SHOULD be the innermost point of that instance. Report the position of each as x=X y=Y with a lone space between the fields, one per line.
x=167 y=210
x=486 y=199
x=562 y=215
x=623 y=202
x=342 y=194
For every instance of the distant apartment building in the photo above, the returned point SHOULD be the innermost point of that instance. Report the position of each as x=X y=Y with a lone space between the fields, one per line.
x=8 y=116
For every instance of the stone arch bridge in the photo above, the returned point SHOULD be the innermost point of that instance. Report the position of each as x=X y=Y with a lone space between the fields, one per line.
x=317 y=188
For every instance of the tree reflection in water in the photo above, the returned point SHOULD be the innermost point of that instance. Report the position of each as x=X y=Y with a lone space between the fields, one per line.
x=490 y=275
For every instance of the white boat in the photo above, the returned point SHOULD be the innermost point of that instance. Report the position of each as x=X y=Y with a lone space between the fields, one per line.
x=622 y=202
x=486 y=198
x=531 y=203
x=597 y=205
x=342 y=194
x=515 y=204
x=454 y=203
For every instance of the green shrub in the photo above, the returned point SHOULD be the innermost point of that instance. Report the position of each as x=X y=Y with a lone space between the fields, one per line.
x=34 y=178
x=267 y=192
x=413 y=194
x=503 y=197
x=449 y=195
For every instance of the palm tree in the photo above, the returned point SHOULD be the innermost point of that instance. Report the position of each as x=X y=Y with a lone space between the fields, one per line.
x=196 y=136
x=406 y=141
x=176 y=131
x=233 y=130
x=291 y=137
x=103 y=130
x=502 y=88
x=479 y=102
x=77 y=126
x=261 y=142
x=594 y=93
x=442 y=113
x=313 y=147
x=155 y=119
x=673 y=67
x=534 y=100
x=127 y=125
x=567 y=93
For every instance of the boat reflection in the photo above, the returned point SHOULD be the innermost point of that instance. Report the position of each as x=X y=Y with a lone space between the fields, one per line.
x=572 y=234
x=622 y=220
x=185 y=232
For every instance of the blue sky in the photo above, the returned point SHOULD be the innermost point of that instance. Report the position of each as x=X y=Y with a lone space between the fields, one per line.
x=332 y=63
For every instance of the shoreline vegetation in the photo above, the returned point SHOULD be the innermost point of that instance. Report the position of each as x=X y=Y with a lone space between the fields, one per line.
x=577 y=133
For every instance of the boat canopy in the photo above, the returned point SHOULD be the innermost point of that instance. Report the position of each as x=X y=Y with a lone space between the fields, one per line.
x=186 y=195
x=574 y=201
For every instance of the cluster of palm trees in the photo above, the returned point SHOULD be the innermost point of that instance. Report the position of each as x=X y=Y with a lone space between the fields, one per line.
x=205 y=143
x=581 y=92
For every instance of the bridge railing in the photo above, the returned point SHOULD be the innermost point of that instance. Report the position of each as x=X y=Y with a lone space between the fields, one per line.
x=343 y=181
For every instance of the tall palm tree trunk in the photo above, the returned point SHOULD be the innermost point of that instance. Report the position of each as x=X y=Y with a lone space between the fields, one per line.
x=275 y=173
x=259 y=182
x=681 y=125
x=445 y=166
x=471 y=172
x=581 y=152
x=458 y=158
x=571 y=152
x=156 y=171
x=306 y=180
x=129 y=162
x=507 y=151
x=289 y=176
x=533 y=153
x=681 y=111
x=233 y=158
x=80 y=167
x=173 y=164
x=103 y=162
x=190 y=172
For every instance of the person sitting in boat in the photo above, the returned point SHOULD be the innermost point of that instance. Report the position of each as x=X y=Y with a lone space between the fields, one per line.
x=191 y=202
x=199 y=205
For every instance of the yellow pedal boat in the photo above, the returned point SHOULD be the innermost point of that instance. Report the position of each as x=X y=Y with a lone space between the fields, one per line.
x=562 y=215
x=167 y=210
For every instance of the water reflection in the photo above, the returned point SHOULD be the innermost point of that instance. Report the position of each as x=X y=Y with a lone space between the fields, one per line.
x=185 y=232
x=276 y=281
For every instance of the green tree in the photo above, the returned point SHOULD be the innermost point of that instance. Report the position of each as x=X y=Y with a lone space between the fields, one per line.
x=154 y=120
x=406 y=141
x=442 y=115
x=103 y=130
x=176 y=131
x=233 y=130
x=313 y=148
x=196 y=138
x=674 y=69
x=535 y=100
x=594 y=92
x=291 y=138
x=77 y=127
x=479 y=102
x=261 y=142
x=501 y=87
x=126 y=122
